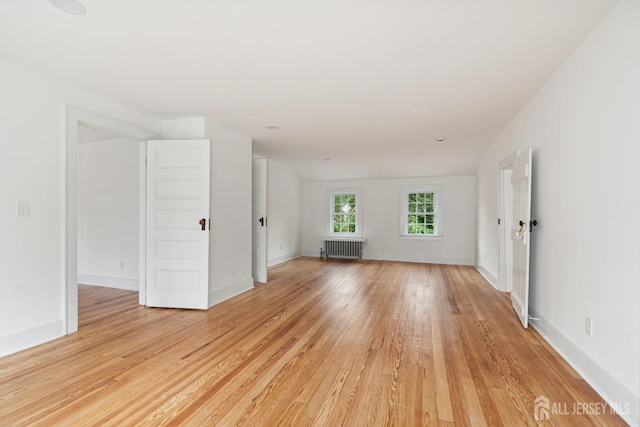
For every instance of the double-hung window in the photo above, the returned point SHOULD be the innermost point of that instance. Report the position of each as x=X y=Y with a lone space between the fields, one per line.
x=421 y=213
x=344 y=212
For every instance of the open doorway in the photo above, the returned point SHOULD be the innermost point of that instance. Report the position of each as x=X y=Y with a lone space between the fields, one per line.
x=75 y=119
x=108 y=217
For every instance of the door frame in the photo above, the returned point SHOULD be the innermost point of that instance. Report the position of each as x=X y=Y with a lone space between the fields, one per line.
x=503 y=210
x=72 y=118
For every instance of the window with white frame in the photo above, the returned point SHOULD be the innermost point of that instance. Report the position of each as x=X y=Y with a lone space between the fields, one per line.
x=344 y=212
x=421 y=211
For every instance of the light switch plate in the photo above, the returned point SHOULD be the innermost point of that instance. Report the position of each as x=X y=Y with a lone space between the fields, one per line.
x=22 y=209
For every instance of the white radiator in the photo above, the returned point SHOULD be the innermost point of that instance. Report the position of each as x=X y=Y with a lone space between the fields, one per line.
x=350 y=248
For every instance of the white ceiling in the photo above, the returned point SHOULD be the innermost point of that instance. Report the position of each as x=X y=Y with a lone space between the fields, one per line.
x=339 y=78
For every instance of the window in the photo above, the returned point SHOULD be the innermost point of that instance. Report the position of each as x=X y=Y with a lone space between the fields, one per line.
x=421 y=212
x=344 y=212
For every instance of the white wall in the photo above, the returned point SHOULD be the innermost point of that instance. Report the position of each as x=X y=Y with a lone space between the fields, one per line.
x=231 y=235
x=381 y=219
x=32 y=263
x=108 y=213
x=584 y=126
x=185 y=128
x=284 y=213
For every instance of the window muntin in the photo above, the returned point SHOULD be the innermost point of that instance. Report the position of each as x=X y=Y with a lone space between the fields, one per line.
x=421 y=217
x=344 y=212
x=421 y=213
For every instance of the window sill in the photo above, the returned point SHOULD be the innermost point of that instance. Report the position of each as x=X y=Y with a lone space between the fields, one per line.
x=419 y=237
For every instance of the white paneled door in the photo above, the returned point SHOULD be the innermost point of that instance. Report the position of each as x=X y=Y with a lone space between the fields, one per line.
x=259 y=218
x=177 y=238
x=521 y=233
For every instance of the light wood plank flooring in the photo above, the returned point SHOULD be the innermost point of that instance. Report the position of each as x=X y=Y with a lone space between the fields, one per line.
x=324 y=343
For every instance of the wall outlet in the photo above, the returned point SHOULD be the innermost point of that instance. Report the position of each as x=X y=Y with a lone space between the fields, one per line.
x=588 y=326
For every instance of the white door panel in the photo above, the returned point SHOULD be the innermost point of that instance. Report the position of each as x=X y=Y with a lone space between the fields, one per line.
x=177 y=206
x=259 y=218
x=521 y=233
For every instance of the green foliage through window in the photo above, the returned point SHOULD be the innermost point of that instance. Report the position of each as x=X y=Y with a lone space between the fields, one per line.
x=421 y=218
x=344 y=213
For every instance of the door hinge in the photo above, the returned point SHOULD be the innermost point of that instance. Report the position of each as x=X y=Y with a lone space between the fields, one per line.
x=498 y=221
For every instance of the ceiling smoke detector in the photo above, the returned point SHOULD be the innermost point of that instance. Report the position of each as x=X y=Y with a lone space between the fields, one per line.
x=73 y=7
x=441 y=138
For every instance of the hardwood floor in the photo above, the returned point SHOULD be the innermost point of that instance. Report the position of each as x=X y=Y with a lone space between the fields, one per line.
x=326 y=343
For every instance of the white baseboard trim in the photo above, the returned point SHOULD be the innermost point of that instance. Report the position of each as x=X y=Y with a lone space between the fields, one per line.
x=426 y=259
x=283 y=258
x=109 y=282
x=230 y=291
x=18 y=341
x=493 y=280
x=392 y=256
x=313 y=253
x=610 y=388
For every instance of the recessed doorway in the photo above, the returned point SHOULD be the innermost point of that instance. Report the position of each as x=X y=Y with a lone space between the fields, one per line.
x=75 y=119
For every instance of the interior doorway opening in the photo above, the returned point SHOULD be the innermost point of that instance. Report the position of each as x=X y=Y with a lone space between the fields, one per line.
x=108 y=217
x=75 y=119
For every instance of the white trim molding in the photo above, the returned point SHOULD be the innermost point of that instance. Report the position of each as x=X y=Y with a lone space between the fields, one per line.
x=493 y=280
x=230 y=291
x=18 y=341
x=420 y=258
x=283 y=258
x=400 y=257
x=616 y=394
x=109 y=282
